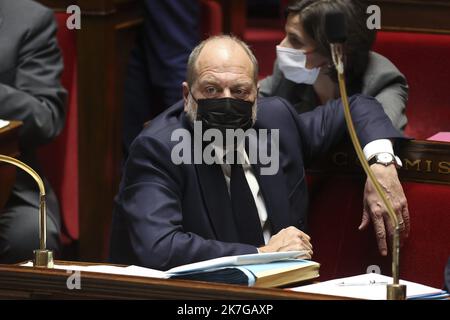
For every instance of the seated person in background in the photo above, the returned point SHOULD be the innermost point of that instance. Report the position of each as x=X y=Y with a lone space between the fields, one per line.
x=170 y=213
x=30 y=91
x=157 y=65
x=304 y=73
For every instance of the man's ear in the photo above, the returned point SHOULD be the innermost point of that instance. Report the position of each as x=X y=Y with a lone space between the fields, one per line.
x=185 y=94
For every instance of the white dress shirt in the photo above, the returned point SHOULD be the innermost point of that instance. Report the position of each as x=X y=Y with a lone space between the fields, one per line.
x=254 y=188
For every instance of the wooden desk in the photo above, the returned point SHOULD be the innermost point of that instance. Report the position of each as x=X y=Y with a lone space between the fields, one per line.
x=9 y=146
x=33 y=283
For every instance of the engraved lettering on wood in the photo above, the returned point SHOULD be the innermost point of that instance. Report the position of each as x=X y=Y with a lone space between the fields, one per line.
x=409 y=164
x=429 y=162
x=444 y=167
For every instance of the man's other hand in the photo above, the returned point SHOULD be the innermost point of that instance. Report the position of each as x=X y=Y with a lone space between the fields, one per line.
x=375 y=210
x=289 y=239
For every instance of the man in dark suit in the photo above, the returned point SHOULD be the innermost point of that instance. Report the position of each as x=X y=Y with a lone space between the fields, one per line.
x=170 y=213
x=30 y=91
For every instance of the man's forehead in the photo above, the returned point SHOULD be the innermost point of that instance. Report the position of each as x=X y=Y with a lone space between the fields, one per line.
x=223 y=56
x=235 y=78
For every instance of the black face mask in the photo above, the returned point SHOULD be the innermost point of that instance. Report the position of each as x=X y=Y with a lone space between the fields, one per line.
x=225 y=113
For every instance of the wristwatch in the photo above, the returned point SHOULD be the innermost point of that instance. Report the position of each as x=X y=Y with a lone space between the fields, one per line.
x=385 y=158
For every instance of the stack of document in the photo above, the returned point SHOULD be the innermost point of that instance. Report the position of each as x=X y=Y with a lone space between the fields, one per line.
x=370 y=286
x=259 y=270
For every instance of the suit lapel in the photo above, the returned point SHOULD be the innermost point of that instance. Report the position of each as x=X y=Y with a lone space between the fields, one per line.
x=273 y=188
x=217 y=201
x=214 y=193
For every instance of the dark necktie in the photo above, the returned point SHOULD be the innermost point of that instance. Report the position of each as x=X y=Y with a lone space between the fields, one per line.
x=244 y=208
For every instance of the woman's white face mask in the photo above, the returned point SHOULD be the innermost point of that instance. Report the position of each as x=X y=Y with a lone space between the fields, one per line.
x=292 y=63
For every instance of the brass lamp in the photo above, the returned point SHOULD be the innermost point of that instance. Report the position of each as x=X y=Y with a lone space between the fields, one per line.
x=336 y=33
x=42 y=256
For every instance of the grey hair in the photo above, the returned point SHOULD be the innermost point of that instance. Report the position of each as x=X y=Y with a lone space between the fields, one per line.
x=193 y=57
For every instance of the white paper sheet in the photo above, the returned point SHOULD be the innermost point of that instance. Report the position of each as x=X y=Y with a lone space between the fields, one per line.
x=369 y=286
x=240 y=260
x=126 y=271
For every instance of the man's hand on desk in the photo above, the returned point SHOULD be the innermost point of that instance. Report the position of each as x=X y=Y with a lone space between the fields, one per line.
x=289 y=239
x=375 y=210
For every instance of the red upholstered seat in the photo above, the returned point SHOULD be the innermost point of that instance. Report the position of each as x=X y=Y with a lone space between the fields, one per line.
x=335 y=214
x=424 y=59
x=336 y=210
x=59 y=159
x=263 y=43
x=425 y=254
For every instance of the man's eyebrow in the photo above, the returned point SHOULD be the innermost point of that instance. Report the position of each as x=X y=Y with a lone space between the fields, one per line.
x=209 y=80
x=238 y=83
x=214 y=81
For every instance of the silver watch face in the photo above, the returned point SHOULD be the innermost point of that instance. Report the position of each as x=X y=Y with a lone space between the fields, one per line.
x=385 y=158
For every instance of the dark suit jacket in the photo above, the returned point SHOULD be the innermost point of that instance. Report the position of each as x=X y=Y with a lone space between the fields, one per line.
x=168 y=215
x=30 y=88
